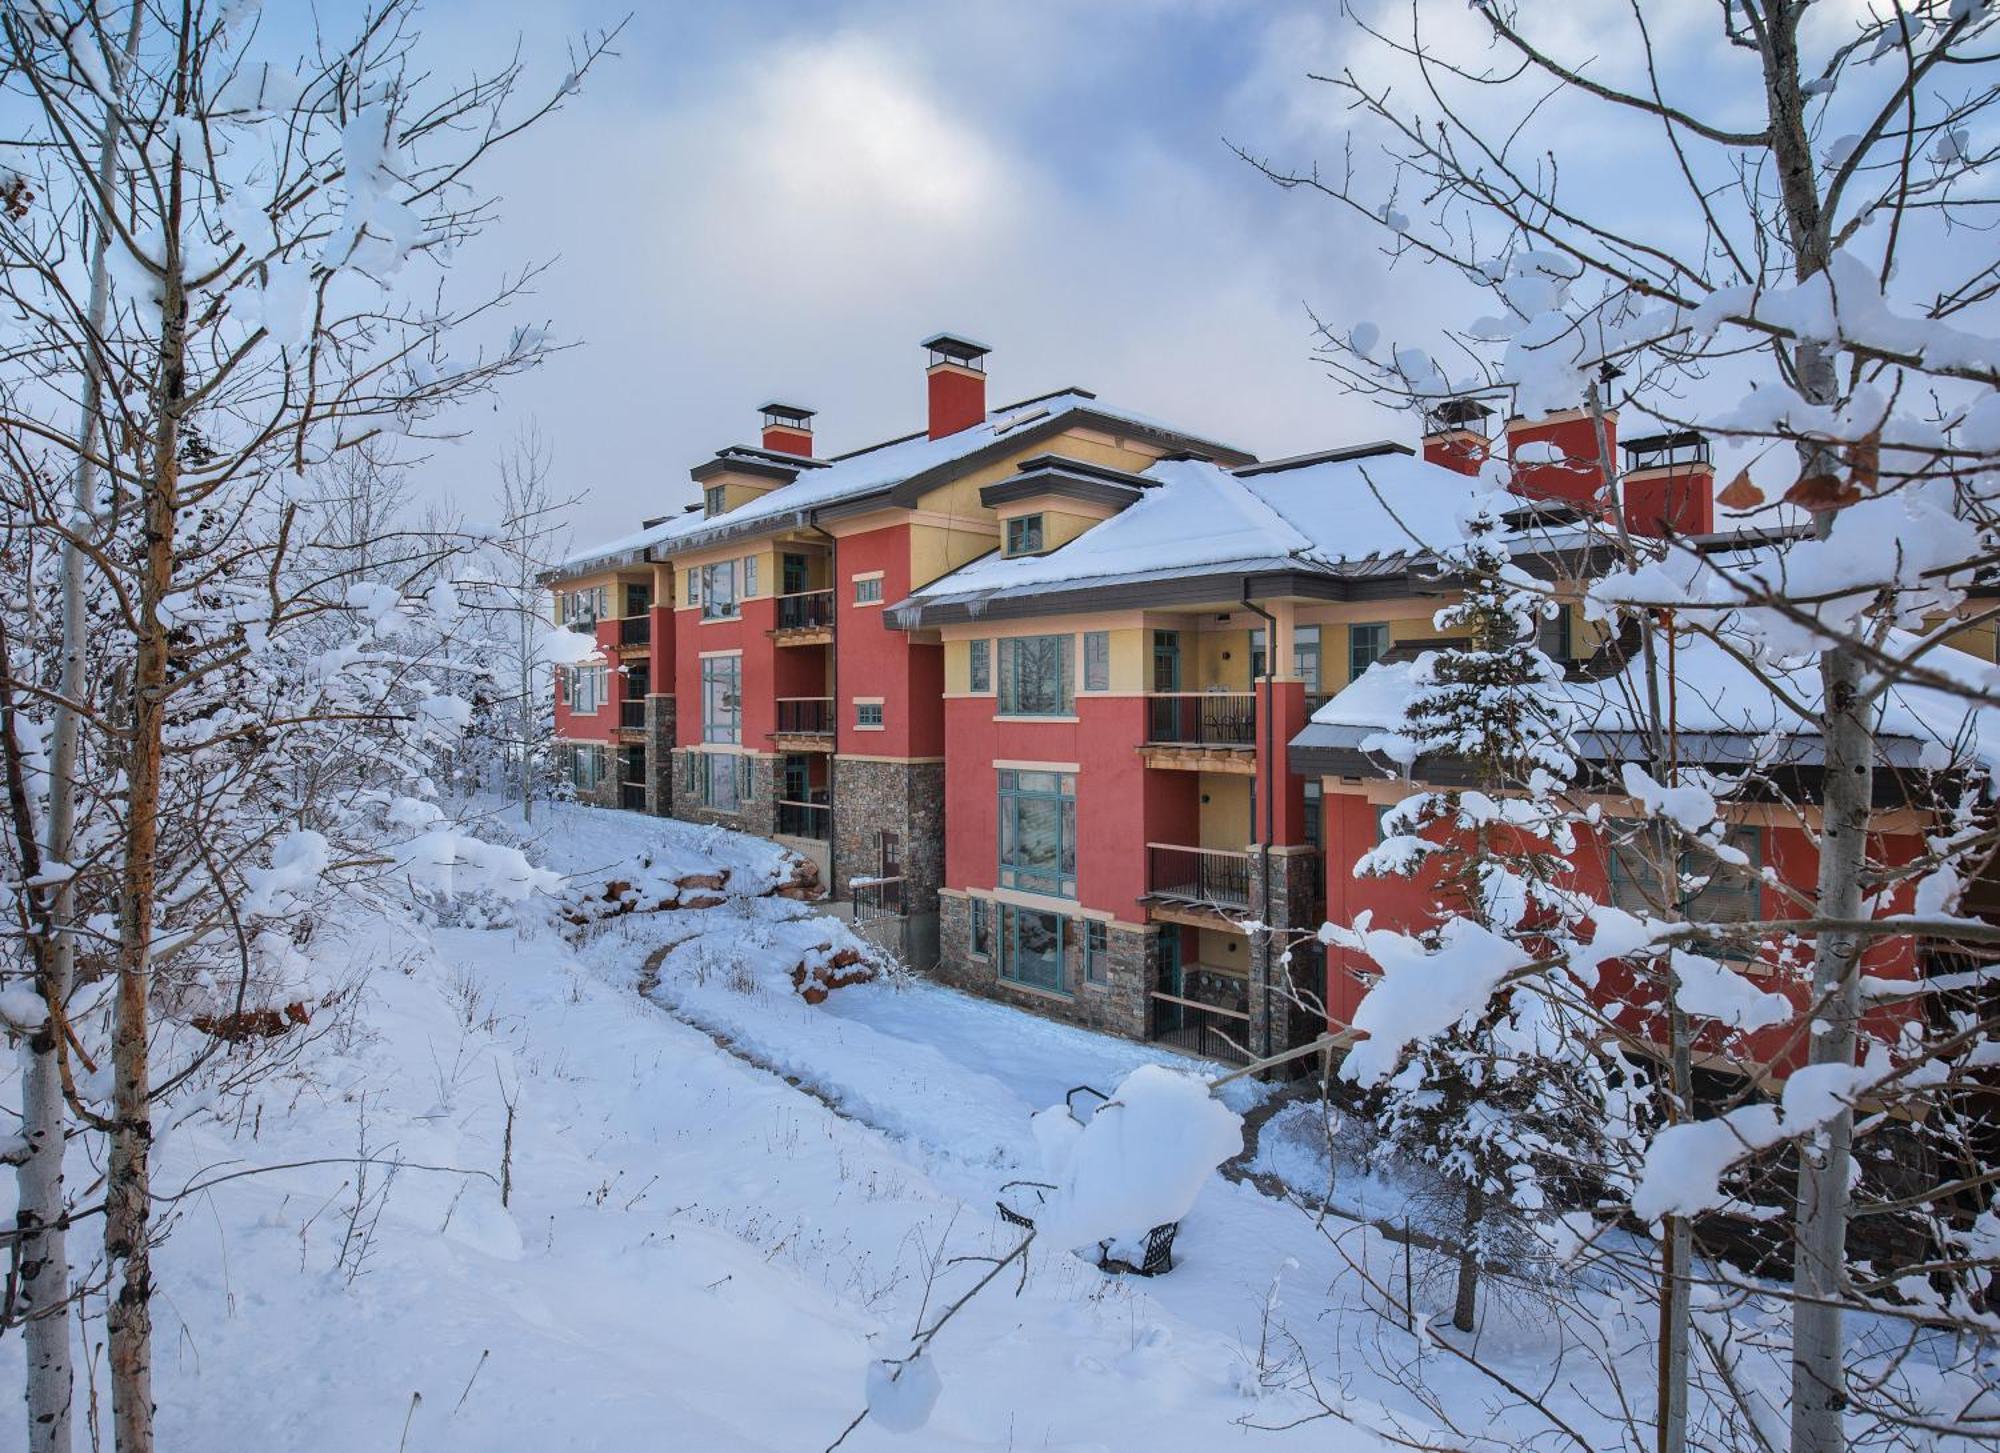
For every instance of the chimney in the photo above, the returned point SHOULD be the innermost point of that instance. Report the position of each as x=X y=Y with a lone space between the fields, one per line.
x=957 y=374
x=1669 y=485
x=1555 y=456
x=1455 y=435
x=788 y=429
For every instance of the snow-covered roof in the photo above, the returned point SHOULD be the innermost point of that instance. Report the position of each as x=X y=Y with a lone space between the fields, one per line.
x=1199 y=518
x=1724 y=712
x=862 y=473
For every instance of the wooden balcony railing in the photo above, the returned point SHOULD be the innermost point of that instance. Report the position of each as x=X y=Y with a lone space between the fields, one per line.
x=1202 y=719
x=805 y=716
x=805 y=610
x=636 y=630
x=1208 y=877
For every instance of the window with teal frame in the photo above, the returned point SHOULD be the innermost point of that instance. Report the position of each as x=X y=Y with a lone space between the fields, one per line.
x=1038 y=832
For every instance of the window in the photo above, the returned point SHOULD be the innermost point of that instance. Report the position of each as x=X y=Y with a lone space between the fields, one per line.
x=982 y=947
x=589 y=688
x=1715 y=891
x=1553 y=635
x=721 y=699
x=585 y=607
x=1096 y=952
x=1031 y=948
x=1315 y=805
x=746 y=779
x=749 y=575
x=694 y=587
x=1024 y=535
x=982 y=666
x=711 y=499
x=868 y=590
x=1382 y=820
x=1038 y=832
x=718 y=590
x=720 y=781
x=1166 y=660
x=1305 y=657
x=868 y=713
x=586 y=768
x=1097 y=660
x=1037 y=676
x=1365 y=646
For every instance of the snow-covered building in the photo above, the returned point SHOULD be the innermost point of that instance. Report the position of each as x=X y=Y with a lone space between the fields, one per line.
x=1085 y=701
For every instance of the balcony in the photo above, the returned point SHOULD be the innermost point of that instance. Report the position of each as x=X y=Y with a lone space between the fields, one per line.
x=1210 y=878
x=632 y=715
x=812 y=820
x=805 y=723
x=636 y=630
x=1202 y=731
x=632 y=796
x=805 y=618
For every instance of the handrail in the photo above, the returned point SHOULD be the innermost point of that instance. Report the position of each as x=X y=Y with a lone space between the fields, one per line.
x=1216 y=852
x=1205 y=695
x=795 y=594
x=1198 y=1004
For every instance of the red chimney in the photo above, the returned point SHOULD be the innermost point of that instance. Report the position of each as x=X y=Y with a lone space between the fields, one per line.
x=788 y=429
x=1555 y=457
x=957 y=374
x=1455 y=437
x=1669 y=485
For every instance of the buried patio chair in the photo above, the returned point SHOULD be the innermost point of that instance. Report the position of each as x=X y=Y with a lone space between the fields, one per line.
x=1156 y=1254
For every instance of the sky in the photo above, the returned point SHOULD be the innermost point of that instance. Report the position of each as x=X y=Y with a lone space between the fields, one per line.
x=779 y=200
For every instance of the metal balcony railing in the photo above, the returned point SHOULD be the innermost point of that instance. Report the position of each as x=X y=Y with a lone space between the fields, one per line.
x=876 y=897
x=1208 y=877
x=636 y=630
x=805 y=819
x=806 y=610
x=632 y=714
x=805 y=716
x=632 y=796
x=1202 y=718
x=1215 y=1025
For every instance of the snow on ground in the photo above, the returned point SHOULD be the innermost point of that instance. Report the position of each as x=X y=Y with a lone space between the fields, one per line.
x=697 y=1254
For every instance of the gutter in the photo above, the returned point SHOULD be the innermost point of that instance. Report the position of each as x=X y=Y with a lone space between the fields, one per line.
x=1270 y=776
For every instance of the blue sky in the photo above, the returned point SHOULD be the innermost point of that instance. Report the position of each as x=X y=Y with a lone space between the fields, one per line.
x=781 y=199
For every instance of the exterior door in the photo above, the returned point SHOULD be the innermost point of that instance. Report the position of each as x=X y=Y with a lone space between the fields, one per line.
x=793 y=574
x=1166 y=660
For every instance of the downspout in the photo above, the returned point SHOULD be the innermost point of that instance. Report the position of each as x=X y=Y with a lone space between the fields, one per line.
x=1270 y=776
x=833 y=685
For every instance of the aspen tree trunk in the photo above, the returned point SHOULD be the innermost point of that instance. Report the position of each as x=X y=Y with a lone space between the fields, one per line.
x=1846 y=723
x=1468 y=1260
x=128 y=1185
x=42 y=1214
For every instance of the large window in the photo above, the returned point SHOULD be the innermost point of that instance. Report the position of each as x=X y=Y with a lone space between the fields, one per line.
x=589 y=688
x=981 y=944
x=749 y=576
x=1715 y=891
x=585 y=608
x=1366 y=644
x=1038 y=832
x=1024 y=535
x=1096 y=952
x=1031 y=948
x=1037 y=676
x=721 y=699
x=718 y=590
x=721 y=781
x=1097 y=660
x=982 y=666
x=586 y=768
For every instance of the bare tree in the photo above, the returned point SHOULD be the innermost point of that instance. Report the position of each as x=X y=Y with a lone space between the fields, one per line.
x=1812 y=294
x=211 y=264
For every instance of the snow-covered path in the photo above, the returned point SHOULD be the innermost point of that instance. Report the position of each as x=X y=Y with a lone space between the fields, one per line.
x=696 y=1254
